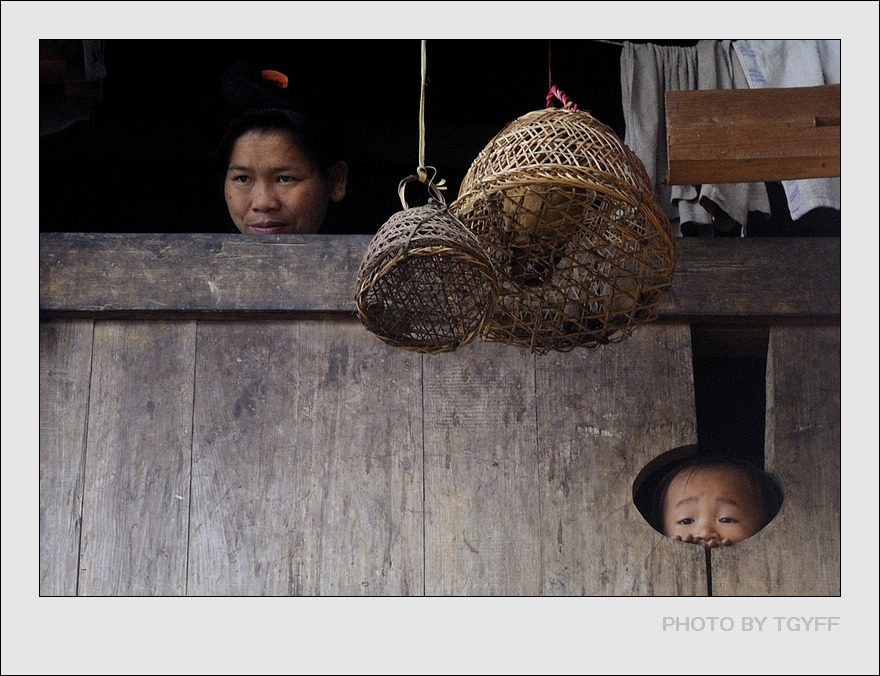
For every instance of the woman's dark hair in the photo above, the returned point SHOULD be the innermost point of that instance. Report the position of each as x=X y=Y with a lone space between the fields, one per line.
x=319 y=143
x=249 y=99
x=766 y=485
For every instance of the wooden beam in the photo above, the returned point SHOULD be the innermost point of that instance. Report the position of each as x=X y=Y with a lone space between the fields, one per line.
x=155 y=275
x=749 y=135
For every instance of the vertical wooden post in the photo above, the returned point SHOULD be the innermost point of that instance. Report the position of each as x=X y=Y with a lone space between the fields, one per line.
x=136 y=499
x=65 y=369
x=798 y=554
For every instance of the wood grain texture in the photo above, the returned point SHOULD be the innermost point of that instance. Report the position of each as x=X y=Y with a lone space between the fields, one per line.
x=771 y=280
x=65 y=369
x=137 y=475
x=309 y=457
x=798 y=554
x=104 y=275
x=307 y=470
x=602 y=416
x=529 y=466
x=482 y=500
x=752 y=135
x=197 y=272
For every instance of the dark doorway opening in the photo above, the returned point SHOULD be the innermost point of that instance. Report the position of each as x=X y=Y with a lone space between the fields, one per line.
x=730 y=390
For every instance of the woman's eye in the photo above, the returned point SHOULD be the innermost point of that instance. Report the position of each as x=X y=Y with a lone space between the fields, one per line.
x=686 y=522
x=286 y=179
x=240 y=179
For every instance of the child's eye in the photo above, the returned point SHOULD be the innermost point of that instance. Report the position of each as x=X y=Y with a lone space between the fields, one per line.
x=241 y=178
x=286 y=179
x=727 y=519
x=686 y=522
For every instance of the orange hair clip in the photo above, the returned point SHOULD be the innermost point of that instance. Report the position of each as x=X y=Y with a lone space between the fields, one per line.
x=275 y=77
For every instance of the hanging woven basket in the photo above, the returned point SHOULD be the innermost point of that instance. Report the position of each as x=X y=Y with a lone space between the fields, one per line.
x=567 y=214
x=425 y=283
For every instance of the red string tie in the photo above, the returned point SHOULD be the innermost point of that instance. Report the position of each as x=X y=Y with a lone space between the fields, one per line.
x=557 y=93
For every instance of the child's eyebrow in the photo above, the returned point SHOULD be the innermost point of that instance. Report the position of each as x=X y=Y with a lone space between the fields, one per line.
x=728 y=501
x=684 y=500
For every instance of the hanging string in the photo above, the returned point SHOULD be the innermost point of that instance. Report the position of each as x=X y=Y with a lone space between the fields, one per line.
x=555 y=92
x=422 y=170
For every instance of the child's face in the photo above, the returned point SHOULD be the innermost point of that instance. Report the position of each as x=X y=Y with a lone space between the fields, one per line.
x=711 y=506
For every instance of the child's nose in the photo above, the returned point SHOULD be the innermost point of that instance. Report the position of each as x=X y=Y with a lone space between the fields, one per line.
x=705 y=532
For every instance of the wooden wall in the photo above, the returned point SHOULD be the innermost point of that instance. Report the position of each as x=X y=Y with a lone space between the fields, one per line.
x=214 y=420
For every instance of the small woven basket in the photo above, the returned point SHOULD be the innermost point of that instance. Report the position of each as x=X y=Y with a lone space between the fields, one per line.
x=567 y=214
x=425 y=283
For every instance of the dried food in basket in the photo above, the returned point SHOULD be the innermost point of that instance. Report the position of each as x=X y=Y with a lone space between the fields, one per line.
x=567 y=214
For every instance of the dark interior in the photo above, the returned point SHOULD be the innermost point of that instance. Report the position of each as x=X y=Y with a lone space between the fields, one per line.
x=143 y=163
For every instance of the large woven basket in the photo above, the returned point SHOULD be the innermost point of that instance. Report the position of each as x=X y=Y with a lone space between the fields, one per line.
x=567 y=214
x=425 y=283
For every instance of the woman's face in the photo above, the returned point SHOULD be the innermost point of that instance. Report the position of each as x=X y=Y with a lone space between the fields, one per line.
x=272 y=188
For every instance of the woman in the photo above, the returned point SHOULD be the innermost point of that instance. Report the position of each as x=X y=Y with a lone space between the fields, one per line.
x=282 y=168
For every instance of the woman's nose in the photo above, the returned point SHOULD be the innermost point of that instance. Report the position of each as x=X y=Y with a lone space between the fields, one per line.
x=264 y=199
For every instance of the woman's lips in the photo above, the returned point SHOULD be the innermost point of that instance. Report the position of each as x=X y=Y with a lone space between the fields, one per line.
x=272 y=228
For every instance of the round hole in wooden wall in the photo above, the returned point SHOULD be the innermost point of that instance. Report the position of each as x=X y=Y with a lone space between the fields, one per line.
x=650 y=485
x=647 y=487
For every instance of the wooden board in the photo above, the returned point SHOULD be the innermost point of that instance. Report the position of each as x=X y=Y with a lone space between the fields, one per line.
x=529 y=465
x=196 y=272
x=716 y=279
x=752 y=135
x=137 y=473
x=602 y=416
x=307 y=469
x=482 y=534
x=768 y=280
x=798 y=554
x=65 y=369
x=276 y=457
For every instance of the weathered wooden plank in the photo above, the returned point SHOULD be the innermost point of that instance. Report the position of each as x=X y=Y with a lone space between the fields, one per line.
x=747 y=280
x=602 y=416
x=717 y=279
x=198 y=272
x=798 y=554
x=307 y=469
x=482 y=508
x=65 y=368
x=749 y=135
x=137 y=475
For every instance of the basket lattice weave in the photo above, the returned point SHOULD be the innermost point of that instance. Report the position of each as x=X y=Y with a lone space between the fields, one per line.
x=425 y=283
x=567 y=214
